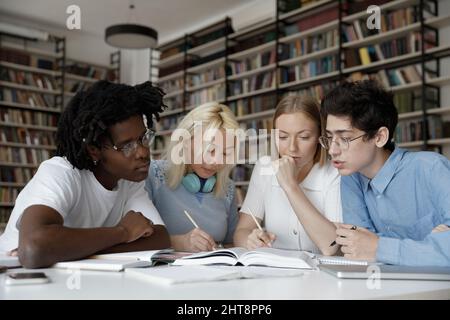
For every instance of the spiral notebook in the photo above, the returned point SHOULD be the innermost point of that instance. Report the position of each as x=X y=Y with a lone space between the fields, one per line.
x=339 y=260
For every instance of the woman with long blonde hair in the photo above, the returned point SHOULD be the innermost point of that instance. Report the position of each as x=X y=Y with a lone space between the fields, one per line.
x=298 y=199
x=194 y=177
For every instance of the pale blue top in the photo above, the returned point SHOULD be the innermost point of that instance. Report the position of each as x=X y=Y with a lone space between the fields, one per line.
x=216 y=216
x=408 y=197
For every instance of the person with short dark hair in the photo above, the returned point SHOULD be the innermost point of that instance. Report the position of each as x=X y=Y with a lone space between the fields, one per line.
x=90 y=197
x=392 y=199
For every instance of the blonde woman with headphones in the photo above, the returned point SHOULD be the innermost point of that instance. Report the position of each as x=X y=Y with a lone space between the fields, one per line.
x=194 y=177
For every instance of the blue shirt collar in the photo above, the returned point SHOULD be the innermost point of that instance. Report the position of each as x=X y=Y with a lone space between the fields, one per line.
x=386 y=173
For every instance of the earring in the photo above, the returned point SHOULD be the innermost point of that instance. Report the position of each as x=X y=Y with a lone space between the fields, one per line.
x=95 y=162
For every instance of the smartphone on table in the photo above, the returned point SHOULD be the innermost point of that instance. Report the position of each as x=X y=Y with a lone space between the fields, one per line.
x=26 y=278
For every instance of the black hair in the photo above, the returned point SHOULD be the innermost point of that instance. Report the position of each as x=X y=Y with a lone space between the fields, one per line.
x=89 y=114
x=366 y=103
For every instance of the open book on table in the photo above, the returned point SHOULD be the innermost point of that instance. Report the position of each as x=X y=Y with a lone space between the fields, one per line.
x=114 y=261
x=269 y=257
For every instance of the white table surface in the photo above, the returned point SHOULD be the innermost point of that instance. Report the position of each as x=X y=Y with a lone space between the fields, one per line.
x=310 y=285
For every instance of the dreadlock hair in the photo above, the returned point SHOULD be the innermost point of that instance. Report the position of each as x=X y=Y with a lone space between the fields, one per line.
x=90 y=113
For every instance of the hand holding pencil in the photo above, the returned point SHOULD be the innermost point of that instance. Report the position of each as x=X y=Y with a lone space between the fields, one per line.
x=198 y=240
x=259 y=237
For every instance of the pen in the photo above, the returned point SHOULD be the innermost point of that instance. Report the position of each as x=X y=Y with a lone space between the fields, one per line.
x=190 y=218
x=334 y=242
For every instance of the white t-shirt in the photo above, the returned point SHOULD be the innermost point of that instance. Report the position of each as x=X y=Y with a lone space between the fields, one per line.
x=79 y=198
x=268 y=201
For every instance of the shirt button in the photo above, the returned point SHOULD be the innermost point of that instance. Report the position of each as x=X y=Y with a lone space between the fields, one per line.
x=294 y=232
x=379 y=196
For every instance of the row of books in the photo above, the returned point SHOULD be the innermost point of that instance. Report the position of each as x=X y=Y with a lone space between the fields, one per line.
x=30 y=137
x=412 y=130
x=19 y=57
x=393 y=77
x=172 y=51
x=8 y=195
x=27 y=78
x=164 y=71
x=76 y=86
x=253 y=83
x=410 y=101
x=309 y=69
x=201 y=60
x=28 y=117
x=18 y=175
x=172 y=85
x=23 y=155
x=316 y=91
x=32 y=99
x=313 y=20
x=174 y=102
x=197 y=40
x=168 y=123
x=213 y=93
x=388 y=49
x=254 y=41
x=256 y=104
x=253 y=62
x=310 y=44
x=88 y=71
x=389 y=21
x=207 y=76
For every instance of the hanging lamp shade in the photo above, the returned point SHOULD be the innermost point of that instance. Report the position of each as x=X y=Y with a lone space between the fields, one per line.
x=131 y=36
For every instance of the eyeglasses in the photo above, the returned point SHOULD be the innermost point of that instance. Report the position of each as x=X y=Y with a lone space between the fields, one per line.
x=131 y=147
x=341 y=142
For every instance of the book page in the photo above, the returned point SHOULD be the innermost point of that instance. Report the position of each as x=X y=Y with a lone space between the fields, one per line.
x=272 y=257
x=136 y=255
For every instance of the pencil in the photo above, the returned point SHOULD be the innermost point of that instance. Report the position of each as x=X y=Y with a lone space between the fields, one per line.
x=254 y=218
x=190 y=218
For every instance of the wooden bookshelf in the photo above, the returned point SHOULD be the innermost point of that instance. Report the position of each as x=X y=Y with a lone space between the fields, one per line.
x=80 y=75
x=192 y=70
x=31 y=101
x=34 y=74
x=244 y=47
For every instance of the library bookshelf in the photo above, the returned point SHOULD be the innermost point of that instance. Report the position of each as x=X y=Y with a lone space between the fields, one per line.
x=308 y=47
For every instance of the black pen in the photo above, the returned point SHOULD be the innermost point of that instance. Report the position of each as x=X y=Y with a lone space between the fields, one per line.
x=334 y=242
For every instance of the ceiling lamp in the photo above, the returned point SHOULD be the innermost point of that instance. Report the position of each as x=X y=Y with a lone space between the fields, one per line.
x=131 y=36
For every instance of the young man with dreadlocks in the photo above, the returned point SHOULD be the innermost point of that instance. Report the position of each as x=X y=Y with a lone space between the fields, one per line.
x=90 y=197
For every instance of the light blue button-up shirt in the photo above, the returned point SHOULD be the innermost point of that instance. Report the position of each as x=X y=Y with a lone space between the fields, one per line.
x=407 y=198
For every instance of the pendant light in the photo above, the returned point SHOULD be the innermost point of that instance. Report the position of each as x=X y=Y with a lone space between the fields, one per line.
x=131 y=36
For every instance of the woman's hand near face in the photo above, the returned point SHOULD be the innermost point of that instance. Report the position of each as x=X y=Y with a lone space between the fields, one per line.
x=286 y=172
